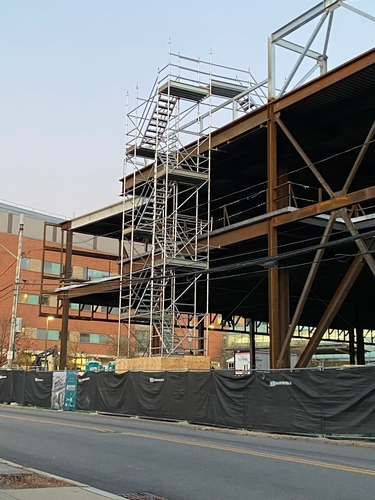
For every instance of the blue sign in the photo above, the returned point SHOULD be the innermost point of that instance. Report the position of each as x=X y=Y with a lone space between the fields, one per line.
x=70 y=391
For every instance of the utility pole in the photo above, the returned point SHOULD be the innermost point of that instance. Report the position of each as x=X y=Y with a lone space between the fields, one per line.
x=10 y=355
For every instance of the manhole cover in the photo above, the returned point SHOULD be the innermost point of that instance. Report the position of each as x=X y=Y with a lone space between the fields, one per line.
x=142 y=496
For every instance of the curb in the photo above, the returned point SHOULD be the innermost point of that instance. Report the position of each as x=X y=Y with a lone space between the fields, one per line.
x=83 y=486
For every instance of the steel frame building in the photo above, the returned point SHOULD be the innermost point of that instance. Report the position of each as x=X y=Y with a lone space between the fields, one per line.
x=269 y=217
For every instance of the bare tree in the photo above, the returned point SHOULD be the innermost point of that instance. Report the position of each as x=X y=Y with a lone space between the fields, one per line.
x=4 y=338
x=24 y=342
x=112 y=346
x=25 y=346
x=72 y=352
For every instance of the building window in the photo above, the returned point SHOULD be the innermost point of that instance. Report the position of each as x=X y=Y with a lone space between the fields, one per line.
x=52 y=268
x=28 y=298
x=52 y=334
x=94 y=274
x=93 y=338
x=236 y=340
x=54 y=234
x=25 y=263
x=95 y=243
x=45 y=300
x=74 y=306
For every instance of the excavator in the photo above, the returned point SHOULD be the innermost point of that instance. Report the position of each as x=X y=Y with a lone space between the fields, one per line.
x=46 y=360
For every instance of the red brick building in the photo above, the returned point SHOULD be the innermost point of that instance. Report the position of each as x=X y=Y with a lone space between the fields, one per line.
x=87 y=339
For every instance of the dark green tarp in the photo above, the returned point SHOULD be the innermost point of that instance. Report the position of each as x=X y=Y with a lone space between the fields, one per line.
x=325 y=402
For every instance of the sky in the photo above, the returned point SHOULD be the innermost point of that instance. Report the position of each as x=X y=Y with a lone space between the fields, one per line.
x=67 y=67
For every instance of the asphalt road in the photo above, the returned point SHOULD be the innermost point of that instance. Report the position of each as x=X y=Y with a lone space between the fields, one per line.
x=178 y=462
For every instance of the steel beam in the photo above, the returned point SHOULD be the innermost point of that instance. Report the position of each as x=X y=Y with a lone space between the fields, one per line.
x=358 y=11
x=322 y=8
x=345 y=70
x=232 y=235
x=306 y=289
x=299 y=49
x=283 y=358
x=84 y=253
x=351 y=346
x=273 y=273
x=65 y=302
x=273 y=300
x=325 y=206
x=360 y=346
x=252 y=346
x=332 y=309
x=359 y=159
x=360 y=243
x=305 y=158
x=303 y=53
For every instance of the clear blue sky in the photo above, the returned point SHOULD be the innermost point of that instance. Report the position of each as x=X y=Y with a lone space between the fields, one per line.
x=67 y=66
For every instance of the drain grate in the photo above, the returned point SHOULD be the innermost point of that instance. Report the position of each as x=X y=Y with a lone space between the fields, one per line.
x=142 y=496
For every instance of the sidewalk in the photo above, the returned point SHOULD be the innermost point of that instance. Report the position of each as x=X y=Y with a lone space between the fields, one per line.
x=75 y=490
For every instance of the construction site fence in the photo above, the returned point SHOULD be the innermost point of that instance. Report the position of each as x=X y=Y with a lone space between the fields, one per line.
x=327 y=402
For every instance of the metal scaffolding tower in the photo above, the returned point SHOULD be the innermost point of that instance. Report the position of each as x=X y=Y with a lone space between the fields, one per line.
x=167 y=178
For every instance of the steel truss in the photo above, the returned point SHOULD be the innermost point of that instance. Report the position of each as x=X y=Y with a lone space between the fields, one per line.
x=324 y=12
x=168 y=181
x=281 y=343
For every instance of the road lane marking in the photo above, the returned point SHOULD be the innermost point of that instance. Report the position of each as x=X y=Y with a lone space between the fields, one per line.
x=261 y=454
x=273 y=456
x=65 y=424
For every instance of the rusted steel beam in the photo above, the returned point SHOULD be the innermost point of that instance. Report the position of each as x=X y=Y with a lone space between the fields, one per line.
x=359 y=159
x=347 y=69
x=255 y=229
x=306 y=289
x=332 y=310
x=360 y=243
x=325 y=206
x=230 y=237
x=65 y=303
x=283 y=358
x=273 y=302
x=304 y=156
x=273 y=273
x=253 y=120
x=84 y=253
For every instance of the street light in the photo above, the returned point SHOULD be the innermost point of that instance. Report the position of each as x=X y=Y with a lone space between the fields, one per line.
x=48 y=319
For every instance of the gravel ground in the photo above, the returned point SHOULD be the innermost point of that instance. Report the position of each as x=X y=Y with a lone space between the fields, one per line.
x=24 y=481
